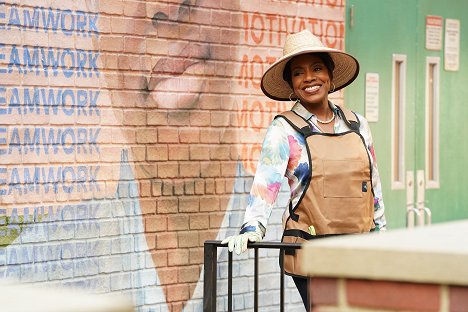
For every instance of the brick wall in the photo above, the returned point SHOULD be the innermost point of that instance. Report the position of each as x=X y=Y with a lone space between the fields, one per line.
x=340 y=294
x=129 y=132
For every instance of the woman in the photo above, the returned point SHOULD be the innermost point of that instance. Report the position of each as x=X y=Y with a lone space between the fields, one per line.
x=325 y=152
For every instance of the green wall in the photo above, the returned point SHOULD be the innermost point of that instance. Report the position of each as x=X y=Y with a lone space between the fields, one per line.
x=379 y=30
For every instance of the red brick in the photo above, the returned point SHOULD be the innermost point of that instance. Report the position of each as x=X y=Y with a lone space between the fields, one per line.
x=146 y=170
x=148 y=205
x=167 y=188
x=121 y=25
x=458 y=299
x=145 y=191
x=220 y=119
x=209 y=203
x=112 y=43
x=176 y=306
x=190 y=135
x=157 y=153
x=189 y=170
x=168 y=170
x=393 y=295
x=166 y=240
x=139 y=154
x=177 y=293
x=199 y=15
x=134 y=118
x=178 y=152
x=156 y=223
x=168 y=275
x=196 y=255
x=135 y=9
x=211 y=169
x=189 y=187
x=168 y=135
x=167 y=205
x=179 y=118
x=157 y=118
x=199 y=222
x=111 y=7
x=147 y=135
x=200 y=118
x=188 y=239
x=135 y=45
x=229 y=169
x=210 y=136
x=189 y=274
x=177 y=222
x=210 y=186
x=200 y=187
x=156 y=188
x=216 y=219
x=189 y=204
x=199 y=152
x=220 y=186
x=151 y=241
x=222 y=152
x=220 y=18
x=159 y=257
x=178 y=257
x=179 y=187
x=207 y=235
x=323 y=291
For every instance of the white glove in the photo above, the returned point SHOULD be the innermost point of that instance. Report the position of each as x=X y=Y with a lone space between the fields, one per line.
x=239 y=242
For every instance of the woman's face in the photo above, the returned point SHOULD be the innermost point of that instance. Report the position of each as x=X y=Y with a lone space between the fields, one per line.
x=310 y=79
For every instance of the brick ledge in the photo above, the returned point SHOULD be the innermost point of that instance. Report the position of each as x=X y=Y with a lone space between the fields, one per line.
x=434 y=254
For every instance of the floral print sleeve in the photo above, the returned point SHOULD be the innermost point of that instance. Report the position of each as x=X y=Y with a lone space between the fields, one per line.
x=269 y=176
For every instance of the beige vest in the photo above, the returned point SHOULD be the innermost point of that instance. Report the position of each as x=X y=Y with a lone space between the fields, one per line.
x=339 y=196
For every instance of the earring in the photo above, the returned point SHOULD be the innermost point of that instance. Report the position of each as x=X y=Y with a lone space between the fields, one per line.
x=290 y=95
x=334 y=87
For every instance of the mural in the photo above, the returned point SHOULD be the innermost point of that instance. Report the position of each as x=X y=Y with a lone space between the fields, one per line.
x=129 y=133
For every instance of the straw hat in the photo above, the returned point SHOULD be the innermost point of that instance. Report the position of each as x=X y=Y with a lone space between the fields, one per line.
x=273 y=85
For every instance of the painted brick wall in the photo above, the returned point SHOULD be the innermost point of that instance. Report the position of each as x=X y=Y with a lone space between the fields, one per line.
x=129 y=133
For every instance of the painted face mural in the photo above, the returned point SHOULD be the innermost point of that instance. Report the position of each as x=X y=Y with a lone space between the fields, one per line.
x=129 y=132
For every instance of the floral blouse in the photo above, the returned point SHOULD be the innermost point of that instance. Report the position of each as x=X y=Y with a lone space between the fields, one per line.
x=284 y=154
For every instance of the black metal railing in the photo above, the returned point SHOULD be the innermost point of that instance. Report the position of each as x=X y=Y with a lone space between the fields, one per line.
x=211 y=263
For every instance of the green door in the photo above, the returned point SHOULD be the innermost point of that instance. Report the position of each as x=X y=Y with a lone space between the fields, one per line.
x=413 y=109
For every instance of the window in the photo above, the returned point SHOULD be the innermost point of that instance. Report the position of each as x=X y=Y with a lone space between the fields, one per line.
x=398 y=121
x=432 y=122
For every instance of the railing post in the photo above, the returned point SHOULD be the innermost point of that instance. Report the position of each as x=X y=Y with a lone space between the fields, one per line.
x=209 y=284
x=281 y=280
x=210 y=274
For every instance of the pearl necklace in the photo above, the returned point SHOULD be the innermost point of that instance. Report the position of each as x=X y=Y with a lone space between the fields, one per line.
x=326 y=121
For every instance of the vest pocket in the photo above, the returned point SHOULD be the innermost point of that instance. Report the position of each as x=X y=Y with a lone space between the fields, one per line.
x=344 y=178
x=293 y=257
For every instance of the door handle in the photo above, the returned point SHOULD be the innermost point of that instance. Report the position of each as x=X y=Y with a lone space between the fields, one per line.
x=425 y=215
x=412 y=214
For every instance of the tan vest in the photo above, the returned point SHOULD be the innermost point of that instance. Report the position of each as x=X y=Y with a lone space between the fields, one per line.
x=339 y=196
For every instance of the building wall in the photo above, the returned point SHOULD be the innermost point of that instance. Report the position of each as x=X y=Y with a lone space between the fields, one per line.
x=129 y=133
x=379 y=31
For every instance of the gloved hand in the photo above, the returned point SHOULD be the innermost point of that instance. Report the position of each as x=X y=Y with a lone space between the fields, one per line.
x=249 y=233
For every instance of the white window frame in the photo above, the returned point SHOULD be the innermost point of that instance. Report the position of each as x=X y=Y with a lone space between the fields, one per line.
x=434 y=165
x=398 y=164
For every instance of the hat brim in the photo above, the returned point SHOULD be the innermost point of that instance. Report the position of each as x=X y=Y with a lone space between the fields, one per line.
x=275 y=87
